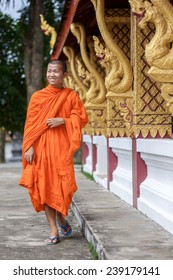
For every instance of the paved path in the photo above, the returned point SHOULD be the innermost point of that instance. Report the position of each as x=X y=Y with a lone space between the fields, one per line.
x=116 y=229
x=23 y=231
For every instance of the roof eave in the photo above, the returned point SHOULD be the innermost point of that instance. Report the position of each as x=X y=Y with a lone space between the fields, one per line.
x=65 y=28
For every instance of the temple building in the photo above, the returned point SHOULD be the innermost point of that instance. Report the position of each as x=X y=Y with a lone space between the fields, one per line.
x=120 y=61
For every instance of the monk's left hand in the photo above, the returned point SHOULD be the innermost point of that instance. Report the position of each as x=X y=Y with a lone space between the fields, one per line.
x=54 y=122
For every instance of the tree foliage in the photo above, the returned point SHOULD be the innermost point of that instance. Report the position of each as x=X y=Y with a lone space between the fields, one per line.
x=12 y=82
x=21 y=53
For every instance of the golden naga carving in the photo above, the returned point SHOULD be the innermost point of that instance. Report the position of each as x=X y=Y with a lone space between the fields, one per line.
x=48 y=30
x=96 y=95
x=82 y=89
x=118 y=80
x=159 y=51
x=114 y=72
x=109 y=61
x=70 y=82
x=85 y=79
x=88 y=80
x=125 y=83
x=83 y=73
x=90 y=45
x=167 y=93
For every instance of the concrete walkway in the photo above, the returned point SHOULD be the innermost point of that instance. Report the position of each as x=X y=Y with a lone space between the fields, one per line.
x=23 y=231
x=117 y=230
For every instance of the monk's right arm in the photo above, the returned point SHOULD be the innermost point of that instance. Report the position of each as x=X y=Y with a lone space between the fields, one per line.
x=29 y=154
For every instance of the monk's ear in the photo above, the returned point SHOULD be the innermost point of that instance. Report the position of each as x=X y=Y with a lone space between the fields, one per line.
x=65 y=74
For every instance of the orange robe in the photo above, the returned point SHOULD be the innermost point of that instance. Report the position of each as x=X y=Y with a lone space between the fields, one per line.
x=50 y=179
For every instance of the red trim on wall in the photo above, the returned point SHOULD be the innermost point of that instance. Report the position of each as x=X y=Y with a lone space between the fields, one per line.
x=142 y=172
x=112 y=164
x=85 y=153
x=139 y=172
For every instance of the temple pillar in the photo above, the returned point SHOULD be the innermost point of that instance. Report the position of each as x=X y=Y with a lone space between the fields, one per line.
x=100 y=174
x=121 y=183
x=88 y=162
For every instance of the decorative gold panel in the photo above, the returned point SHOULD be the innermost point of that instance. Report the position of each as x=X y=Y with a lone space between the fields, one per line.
x=115 y=123
x=114 y=53
x=151 y=117
x=118 y=22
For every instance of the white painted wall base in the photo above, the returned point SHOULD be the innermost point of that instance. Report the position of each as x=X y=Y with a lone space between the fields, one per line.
x=156 y=192
x=100 y=174
x=88 y=166
x=121 y=184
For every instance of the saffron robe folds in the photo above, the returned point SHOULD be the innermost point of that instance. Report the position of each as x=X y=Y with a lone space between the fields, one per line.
x=50 y=179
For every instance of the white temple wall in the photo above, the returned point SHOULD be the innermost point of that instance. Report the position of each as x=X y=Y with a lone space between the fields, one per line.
x=88 y=166
x=100 y=174
x=121 y=184
x=156 y=191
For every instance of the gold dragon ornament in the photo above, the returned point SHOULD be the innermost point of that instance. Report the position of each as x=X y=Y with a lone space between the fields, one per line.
x=125 y=83
x=118 y=80
x=96 y=93
x=48 y=30
x=159 y=51
x=81 y=88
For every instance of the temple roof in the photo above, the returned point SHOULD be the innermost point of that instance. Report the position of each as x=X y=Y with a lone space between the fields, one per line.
x=80 y=11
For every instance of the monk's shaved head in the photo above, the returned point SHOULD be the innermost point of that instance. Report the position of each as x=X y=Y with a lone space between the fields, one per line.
x=61 y=62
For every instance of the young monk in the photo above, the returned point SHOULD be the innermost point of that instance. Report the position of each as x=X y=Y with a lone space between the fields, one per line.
x=52 y=133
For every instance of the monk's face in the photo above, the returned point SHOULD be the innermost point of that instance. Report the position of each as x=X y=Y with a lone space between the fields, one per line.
x=55 y=75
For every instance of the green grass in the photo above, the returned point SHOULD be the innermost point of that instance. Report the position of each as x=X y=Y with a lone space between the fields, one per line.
x=87 y=175
x=93 y=251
